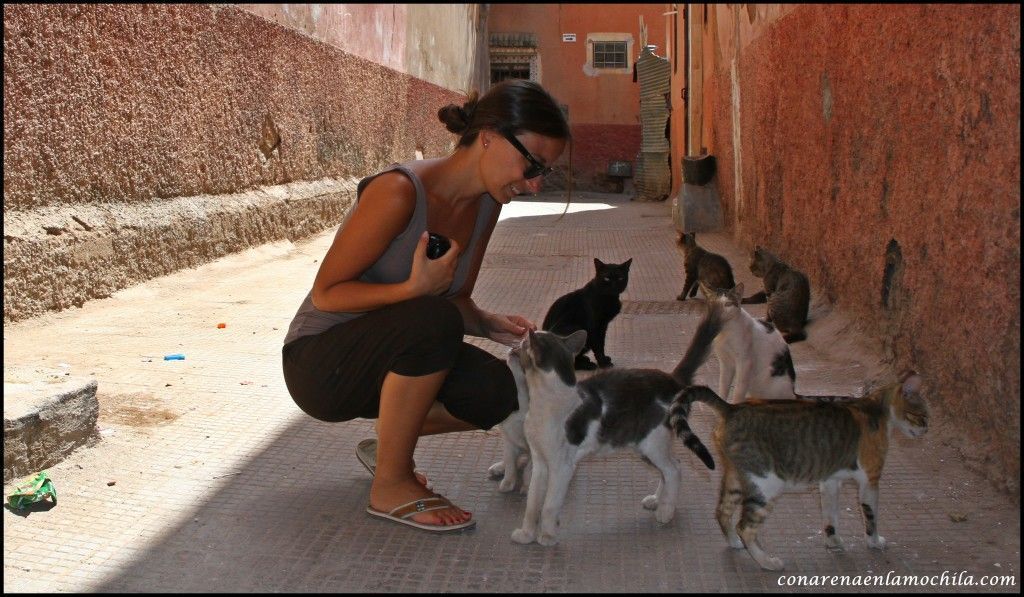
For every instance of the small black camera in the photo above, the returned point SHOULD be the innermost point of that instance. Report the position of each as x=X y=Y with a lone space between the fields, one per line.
x=437 y=245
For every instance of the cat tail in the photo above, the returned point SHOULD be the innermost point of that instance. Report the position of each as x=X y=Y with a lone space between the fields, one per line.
x=681 y=405
x=681 y=427
x=699 y=348
x=795 y=337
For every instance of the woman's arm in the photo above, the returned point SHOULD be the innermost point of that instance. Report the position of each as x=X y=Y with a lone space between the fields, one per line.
x=506 y=329
x=382 y=213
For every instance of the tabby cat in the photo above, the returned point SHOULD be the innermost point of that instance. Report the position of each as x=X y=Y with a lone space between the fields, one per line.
x=703 y=266
x=770 y=446
x=753 y=357
x=612 y=410
x=591 y=309
x=787 y=292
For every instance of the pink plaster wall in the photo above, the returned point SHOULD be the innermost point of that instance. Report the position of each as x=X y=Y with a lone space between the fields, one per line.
x=864 y=124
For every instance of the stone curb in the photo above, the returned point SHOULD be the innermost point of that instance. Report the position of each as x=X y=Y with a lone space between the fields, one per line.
x=44 y=424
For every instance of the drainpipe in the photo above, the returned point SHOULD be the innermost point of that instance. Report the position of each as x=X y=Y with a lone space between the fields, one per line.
x=686 y=81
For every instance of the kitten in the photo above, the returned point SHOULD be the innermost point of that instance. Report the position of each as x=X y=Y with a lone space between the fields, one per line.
x=787 y=292
x=614 y=409
x=591 y=309
x=704 y=266
x=772 y=446
x=752 y=355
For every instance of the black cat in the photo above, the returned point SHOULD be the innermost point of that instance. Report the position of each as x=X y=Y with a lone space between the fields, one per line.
x=591 y=308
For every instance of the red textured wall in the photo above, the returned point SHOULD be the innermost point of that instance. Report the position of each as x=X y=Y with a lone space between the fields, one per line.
x=151 y=114
x=866 y=124
x=109 y=103
x=597 y=145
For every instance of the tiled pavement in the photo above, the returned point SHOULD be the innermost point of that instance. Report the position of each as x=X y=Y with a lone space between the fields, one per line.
x=208 y=478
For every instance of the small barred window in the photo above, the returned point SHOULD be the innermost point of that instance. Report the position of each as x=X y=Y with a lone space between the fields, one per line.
x=610 y=54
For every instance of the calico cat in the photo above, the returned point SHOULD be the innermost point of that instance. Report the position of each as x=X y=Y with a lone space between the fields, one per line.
x=787 y=292
x=752 y=355
x=704 y=266
x=614 y=409
x=591 y=309
x=768 y=447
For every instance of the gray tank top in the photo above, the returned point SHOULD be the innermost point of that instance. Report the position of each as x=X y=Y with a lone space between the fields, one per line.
x=396 y=262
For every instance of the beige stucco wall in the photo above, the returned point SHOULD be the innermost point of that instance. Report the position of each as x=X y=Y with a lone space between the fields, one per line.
x=139 y=139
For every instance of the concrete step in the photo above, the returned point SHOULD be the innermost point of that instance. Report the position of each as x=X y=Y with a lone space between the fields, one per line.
x=48 y=413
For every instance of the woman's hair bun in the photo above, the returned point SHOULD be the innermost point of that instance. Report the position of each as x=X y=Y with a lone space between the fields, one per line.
x=458 y=119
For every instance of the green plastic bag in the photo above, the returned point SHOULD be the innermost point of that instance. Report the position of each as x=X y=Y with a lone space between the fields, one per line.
x=35 y=489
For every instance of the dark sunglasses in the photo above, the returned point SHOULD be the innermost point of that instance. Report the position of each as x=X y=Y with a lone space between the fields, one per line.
x=535 y=168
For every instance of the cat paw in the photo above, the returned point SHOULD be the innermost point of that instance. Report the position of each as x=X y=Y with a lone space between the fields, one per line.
x=522 y=536
x=771 y=563
x=834 y=543
x=507 y=485
x=547 y=540
x=497 y=470
x=735 y=542
x=876 y=542
x=604 y=363
x=650 y=502
x=664 y=515
x=680 y=298
x=586 y=365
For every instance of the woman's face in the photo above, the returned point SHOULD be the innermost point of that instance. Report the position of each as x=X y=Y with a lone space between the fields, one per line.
x=504 y=166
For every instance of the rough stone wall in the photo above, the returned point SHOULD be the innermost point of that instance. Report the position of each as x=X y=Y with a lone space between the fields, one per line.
x=880 y=153
x=125 y=125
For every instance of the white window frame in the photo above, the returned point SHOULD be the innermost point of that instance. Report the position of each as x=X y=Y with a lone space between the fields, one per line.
x=603 y=37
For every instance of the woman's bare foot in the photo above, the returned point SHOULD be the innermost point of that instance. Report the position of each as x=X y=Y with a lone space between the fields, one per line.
x=386 y=496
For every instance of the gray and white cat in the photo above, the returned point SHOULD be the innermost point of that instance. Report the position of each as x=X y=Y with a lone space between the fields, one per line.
x=753 y=356
x=612 y=410
x=771 y=446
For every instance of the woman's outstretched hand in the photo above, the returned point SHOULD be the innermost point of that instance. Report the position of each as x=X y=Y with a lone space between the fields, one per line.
x=507 y=329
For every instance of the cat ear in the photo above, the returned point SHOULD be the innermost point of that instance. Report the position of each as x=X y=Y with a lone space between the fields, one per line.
x=737 y=291
x=576 y=341
x=628 y=263
x=598 y=264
